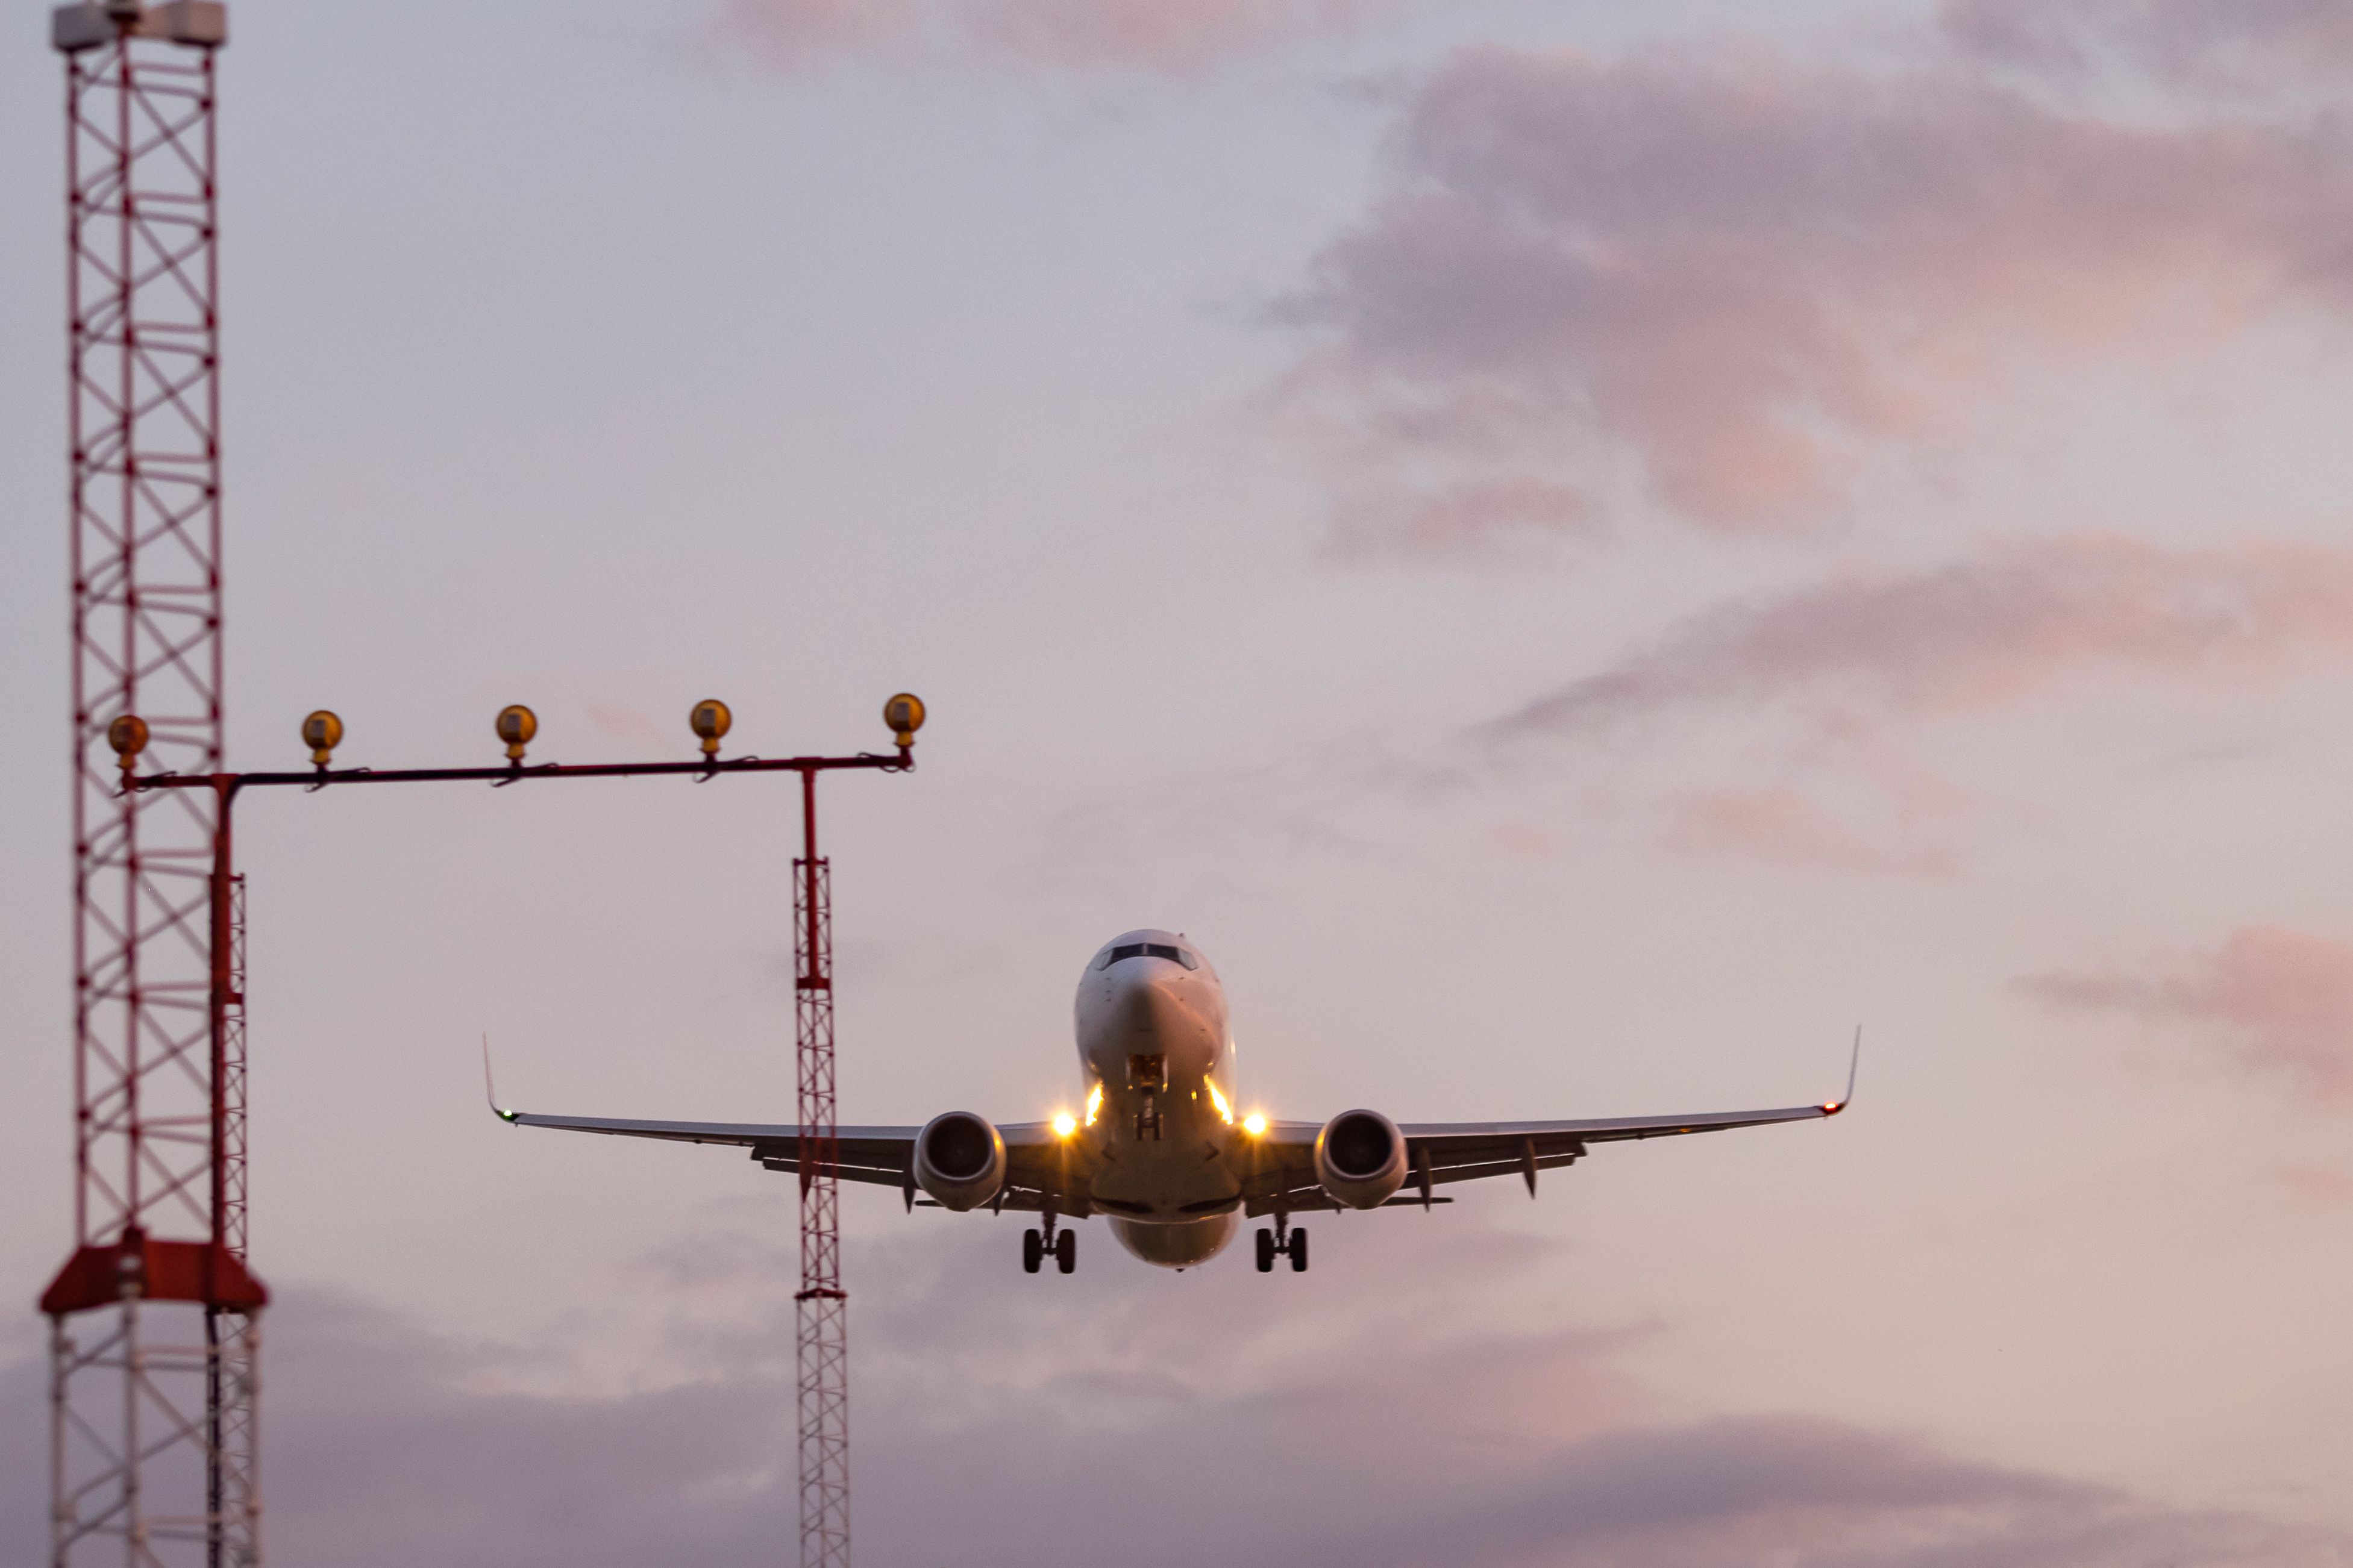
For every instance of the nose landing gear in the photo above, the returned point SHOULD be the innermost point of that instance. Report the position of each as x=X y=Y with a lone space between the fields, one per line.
x=1282 y=1239
x=1037 y=1244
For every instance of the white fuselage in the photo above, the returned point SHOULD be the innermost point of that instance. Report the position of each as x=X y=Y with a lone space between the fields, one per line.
x=1158 y=1053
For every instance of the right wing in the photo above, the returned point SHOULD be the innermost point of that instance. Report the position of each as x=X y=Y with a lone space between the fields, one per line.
x=878 y=1154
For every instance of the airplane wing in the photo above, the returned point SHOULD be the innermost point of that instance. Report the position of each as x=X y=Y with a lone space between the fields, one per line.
x=1442 y=1152
x=883 y=1156
x=1037 y=1161
x=1279 y=1168
x=864 y=1153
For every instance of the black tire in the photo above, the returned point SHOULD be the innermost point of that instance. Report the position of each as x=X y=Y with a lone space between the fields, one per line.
x=1033 y=1251
x=1298 y=1250
x=1266 y=1252
x=1066 y=1251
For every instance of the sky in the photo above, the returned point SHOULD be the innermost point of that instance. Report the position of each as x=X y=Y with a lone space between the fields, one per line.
x=1580 y=551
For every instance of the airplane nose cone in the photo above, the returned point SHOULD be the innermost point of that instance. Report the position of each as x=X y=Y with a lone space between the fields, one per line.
x=1148 y=1010
x=1144 y=1000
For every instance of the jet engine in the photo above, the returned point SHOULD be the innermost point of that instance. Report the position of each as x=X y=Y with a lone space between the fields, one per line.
x=1360 y=1159
x=959 y=1160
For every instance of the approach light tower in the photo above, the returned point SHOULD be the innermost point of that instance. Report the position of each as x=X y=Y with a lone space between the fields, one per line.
x=153 y=1316
x=822 y=1304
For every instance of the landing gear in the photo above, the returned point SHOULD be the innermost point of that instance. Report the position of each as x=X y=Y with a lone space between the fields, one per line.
x=1283 y=1241
x=1037 y=1244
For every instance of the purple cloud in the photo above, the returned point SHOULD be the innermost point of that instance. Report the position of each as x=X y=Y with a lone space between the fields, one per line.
x=1365 y=1419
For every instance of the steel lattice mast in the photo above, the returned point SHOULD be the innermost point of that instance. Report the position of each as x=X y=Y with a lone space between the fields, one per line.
x=154 y=1314
x=822 y=1307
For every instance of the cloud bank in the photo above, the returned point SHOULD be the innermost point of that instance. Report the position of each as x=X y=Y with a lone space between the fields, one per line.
x=1723 y=281
x=997 y=1423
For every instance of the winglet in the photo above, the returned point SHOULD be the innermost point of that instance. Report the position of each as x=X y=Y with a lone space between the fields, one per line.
x=1833 y=1106
x=488 y=1091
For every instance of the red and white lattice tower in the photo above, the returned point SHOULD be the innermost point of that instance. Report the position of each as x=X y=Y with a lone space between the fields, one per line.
x=822 y=1308
x=153 y=1315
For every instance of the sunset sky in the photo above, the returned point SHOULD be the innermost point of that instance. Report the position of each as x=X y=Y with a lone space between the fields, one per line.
x=1580 y=551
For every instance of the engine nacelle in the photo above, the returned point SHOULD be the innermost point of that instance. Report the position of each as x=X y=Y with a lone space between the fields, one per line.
x=959 y=1160
x=1360 y=1159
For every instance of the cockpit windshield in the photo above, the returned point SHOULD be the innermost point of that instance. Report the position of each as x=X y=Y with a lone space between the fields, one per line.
x=1147 y=950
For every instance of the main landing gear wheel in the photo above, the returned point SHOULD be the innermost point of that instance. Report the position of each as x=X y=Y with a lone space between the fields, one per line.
x=1286 y=1240
x=1066 y=1251
x=1033 y=1251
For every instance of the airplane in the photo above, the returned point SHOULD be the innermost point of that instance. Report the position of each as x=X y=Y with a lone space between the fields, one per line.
x=1159 y=1150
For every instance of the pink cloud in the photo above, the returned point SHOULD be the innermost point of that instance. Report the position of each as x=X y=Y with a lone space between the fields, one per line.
x=1504 y=517
x=2316 y=1184
x=1783 y=826
x=620 y=721
x=2004 y=624
x=1149 y=35
x=2273 y=1001
x=1522 y=841
x=1738 y=276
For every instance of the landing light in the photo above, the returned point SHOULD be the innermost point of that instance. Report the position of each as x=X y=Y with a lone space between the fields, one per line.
x=1218 y=1101
x=1255 y=1124
x=1064 y=1124
x=1095 y=1103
